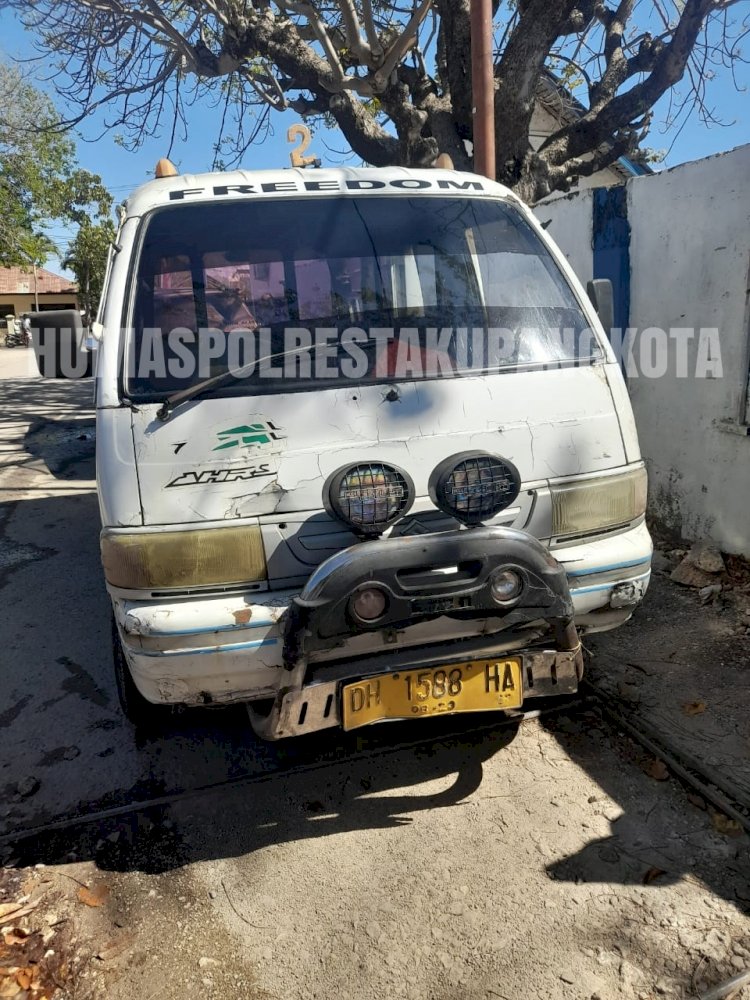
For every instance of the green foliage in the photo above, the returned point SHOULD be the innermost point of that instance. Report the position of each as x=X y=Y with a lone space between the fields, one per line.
x=87 y=259
x=373 y=106
x=39 y=178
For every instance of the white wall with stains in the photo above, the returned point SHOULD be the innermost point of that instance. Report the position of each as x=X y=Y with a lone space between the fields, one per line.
x=690 y=272
x=568 y=219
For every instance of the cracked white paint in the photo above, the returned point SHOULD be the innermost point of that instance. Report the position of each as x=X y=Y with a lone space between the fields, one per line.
x=548 y=423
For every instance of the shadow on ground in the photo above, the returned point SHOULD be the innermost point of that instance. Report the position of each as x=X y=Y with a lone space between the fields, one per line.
x=67 y=447
x=43 y=397
x=324 y=788
x=683 y=667
x=319 y=787
x=662 y=836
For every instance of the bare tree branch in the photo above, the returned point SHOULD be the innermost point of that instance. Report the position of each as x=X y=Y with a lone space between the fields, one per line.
x=376 y=48
x=359 y=64
x=353 y=31
x=401 y=46
x=321 y=33
x=607 y=117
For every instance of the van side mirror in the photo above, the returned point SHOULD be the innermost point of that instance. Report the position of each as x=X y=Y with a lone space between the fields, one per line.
x=58 y=340
x=602 y=296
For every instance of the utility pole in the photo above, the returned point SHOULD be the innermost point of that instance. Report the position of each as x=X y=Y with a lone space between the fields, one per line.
x=483 y=88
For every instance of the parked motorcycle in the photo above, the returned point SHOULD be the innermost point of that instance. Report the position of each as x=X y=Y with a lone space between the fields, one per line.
x=17 y=338
x=13 y=339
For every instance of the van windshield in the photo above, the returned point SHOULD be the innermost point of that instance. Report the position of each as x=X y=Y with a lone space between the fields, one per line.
x=308 y=293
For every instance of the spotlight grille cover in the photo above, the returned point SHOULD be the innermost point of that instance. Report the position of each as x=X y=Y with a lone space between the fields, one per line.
x=473 y=487
x=368 y=496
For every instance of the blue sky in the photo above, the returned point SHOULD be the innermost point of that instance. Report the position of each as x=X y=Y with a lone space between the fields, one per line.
x=122 y=170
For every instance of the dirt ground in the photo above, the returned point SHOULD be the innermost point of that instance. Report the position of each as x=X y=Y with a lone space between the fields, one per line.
x=542 y=863
x=439 y=860
x=684 y=668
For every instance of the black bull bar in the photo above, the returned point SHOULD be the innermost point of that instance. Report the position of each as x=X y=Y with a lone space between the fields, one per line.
x=446 y=574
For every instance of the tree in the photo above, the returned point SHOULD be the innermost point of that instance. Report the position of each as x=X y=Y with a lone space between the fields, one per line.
x=395 y=79
x=39 y=178
x=87 y=259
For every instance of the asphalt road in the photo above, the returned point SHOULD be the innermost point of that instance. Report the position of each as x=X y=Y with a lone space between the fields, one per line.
x=492 y=862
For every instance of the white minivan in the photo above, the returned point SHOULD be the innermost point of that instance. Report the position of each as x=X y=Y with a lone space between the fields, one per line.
x=363 y=450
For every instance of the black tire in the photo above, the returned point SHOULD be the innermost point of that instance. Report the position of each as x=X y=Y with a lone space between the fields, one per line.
x=9 y=342
x=143 y=714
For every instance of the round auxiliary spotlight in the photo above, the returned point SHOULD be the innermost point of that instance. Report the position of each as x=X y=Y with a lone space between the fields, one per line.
x=473 y=487
x=368 y=496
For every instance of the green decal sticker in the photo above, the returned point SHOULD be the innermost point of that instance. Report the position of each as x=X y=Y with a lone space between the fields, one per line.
x=248 y=436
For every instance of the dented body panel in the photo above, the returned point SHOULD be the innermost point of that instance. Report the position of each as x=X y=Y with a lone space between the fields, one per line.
x=187 y=473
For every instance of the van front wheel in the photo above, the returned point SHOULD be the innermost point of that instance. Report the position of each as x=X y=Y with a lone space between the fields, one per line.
x=137 y=709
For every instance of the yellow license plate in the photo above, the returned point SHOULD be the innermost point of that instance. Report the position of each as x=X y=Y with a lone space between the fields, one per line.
x=478 y=686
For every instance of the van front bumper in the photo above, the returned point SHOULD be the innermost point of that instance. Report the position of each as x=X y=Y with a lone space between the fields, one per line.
x=220 y=649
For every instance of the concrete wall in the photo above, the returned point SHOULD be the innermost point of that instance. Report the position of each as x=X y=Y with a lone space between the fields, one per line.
x=689 y=269
x=570 y=225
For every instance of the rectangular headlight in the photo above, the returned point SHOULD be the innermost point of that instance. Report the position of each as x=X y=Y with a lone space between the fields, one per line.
x=593 y=504
x=170 y=559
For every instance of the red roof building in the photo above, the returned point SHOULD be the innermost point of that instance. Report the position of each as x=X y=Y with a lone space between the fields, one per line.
x=21 y=289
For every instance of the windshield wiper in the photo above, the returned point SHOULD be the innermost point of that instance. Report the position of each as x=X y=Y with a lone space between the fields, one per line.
x=176 y=399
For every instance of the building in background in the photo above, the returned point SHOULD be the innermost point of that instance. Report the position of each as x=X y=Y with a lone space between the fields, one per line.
x=556 y=107
x=21 y=290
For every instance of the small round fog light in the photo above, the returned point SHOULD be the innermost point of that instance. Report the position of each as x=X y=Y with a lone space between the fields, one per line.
x=506 y=586
x=369 y=604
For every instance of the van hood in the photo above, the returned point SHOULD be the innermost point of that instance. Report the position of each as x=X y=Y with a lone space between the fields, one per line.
x=217 y=459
